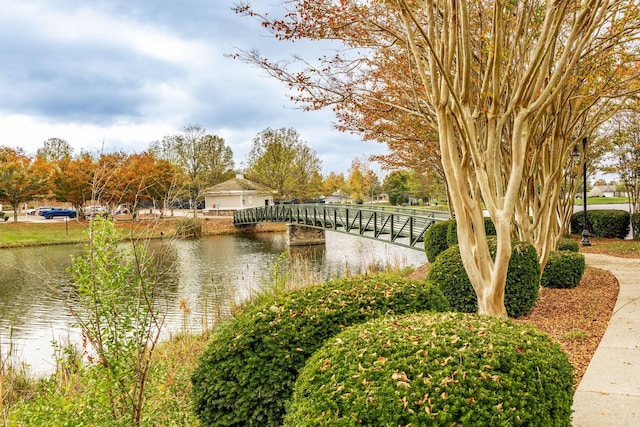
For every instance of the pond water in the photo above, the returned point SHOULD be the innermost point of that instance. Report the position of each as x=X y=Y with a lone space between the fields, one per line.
x=34 y=282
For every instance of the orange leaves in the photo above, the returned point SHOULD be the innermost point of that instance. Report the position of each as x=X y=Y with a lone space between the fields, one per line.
x=21 y=177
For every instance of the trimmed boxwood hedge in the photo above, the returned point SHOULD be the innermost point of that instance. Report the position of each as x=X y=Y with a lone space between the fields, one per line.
x=635 y=224
x=565 y=244
x=452 y=231
x=246 y=375
x=564 y=269
x=435 y=370
x=435 y=239
x=522 y=287
x=444 y=234
x=602 y=223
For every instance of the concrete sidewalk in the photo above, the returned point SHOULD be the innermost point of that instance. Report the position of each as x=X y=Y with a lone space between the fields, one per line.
x=609 y=393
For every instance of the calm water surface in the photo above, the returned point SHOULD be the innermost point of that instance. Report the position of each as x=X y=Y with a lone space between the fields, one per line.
x=34 y=282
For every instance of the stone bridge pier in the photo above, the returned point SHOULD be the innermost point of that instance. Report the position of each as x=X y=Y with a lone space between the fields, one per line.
x=304 y=236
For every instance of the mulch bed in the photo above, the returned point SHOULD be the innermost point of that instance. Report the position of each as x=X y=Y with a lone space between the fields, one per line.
x=576 y=318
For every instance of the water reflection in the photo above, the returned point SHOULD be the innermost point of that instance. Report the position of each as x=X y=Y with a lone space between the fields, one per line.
x=34 y=282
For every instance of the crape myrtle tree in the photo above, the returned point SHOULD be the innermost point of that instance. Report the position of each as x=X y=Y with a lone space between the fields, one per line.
x=21 y=177
x=281 y=160
x=509 y=88
x=201 y=159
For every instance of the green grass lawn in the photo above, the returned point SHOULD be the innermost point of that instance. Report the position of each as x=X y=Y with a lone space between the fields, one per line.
x=602 y=200
x=615 y=247
x=17 y=234
x=13 y=234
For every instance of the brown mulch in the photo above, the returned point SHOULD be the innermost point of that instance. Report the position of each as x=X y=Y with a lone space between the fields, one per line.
x=575 y=318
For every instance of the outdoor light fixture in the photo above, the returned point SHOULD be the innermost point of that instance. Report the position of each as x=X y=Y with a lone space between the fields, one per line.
x=576 y=154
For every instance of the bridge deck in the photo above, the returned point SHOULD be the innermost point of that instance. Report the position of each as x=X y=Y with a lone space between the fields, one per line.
x=399 y=226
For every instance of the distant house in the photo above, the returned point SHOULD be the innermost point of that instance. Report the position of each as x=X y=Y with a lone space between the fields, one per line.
x=236 y=193
x=339 y=197
x=605 y=191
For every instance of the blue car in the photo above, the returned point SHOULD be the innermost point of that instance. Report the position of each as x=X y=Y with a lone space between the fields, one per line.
x=50 y=213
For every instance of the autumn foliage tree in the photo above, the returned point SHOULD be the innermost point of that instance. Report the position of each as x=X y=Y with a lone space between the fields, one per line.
x=507 y=89
x=363 y=183
x=334 y=183
x=21 y=177
x=72 y=179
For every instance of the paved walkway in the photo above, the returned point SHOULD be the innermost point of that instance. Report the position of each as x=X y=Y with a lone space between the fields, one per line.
x=609 y=393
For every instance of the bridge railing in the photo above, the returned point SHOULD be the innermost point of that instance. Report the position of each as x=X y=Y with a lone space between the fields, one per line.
x=400 y=226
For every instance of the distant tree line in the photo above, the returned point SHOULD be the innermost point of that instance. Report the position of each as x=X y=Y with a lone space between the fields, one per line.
x=178 y=168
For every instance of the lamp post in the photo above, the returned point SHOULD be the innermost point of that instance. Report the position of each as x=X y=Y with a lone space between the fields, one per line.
x=576 y=157
x=585 y=233
x=631 y=182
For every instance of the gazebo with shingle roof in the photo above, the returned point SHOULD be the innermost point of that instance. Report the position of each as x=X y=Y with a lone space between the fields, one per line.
x=236 y=193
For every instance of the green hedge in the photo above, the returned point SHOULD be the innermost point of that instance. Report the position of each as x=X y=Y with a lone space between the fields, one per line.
x=452 y=231
x=435 y=370
x=522 y=287
x=564 y=269
x=602 y=223
x=246 y=375
x=635 y=224
x=570 y=245
x=444 y=234
x=435 y=239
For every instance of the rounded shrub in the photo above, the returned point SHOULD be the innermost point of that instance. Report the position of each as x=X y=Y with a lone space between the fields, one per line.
x=564 y=269
x=435 y=239
x=452 y=231
x=521 y=290
x=565 y=244
x=435 y=370
x=635 y=224
x=611 y=223
x=246 y=375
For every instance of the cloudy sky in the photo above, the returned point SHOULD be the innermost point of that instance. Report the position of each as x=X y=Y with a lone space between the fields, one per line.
x=119 y=74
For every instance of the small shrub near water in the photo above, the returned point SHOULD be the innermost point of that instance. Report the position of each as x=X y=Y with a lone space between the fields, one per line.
x=435 y=370
x=435 y=239
x=523 y=279
x=246 y=375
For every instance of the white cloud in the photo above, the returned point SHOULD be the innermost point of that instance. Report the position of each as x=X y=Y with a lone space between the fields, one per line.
x=123 y=74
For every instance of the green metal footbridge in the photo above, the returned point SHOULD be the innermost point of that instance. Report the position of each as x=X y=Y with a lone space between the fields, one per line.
x=398 y=226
